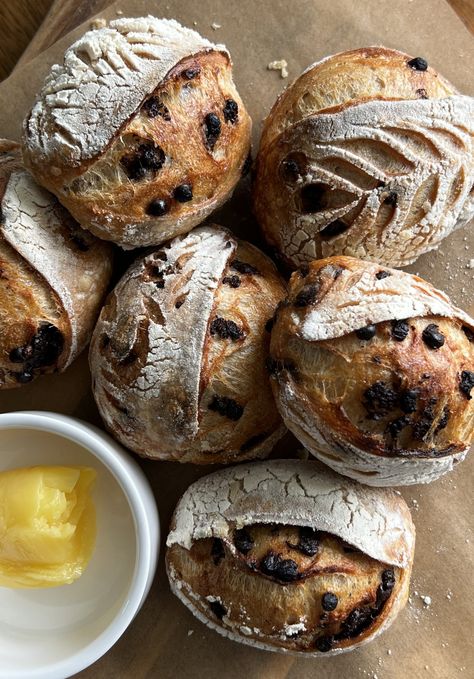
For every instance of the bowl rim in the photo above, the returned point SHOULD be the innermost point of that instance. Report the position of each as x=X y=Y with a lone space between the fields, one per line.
x=137 y=490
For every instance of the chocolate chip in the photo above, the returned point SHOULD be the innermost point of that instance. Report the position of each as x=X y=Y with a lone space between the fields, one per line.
x=246 y=166
x=418 y=64
x=212 y=129
x=226 y=407
x=218 y=609
x=408 y=400
x=243 y=541
x=307 y=295
x=324 y=644
x=147 y=158
x=427 y=417
x=469 y=332
x=191 y=72
x=18 y=355
x=130 y=358
x=367 y=332
x=269 y=324
x=243 y=267
x=467 y=383
x=104 y=341
x=217 y=551
x=160 y=284
x=388 y=579
x=46 y=346
x=24 y=377
x=183 y=193
x=379 y=398
x=179 y=303
x=226 y=329
x=309 y=541
x=382 y=274
x=291 y=169
x=157 y=207
x=443 y=422
x=391 y=198
x=396 y=426
x=432 y=337
x=329 y=601
x=232 y=281
x=422 y=93
x=285 y=570
x=355 y=623
x=400 y=330
x=154 y=107
x=334 y=229
x=230 y=111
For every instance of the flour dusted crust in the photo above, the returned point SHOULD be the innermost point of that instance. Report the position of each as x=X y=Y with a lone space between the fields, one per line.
x=373 y=369
x=178 y=354
x=53 y=277
x=136 y=111
x=226 y=524
x=368 y=156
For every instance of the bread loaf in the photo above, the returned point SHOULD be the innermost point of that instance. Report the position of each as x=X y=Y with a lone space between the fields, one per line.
x=140 y=132
x=53 y=277
x=287 y=556
x=369 y=153
x=373 y=371
x=178 y=355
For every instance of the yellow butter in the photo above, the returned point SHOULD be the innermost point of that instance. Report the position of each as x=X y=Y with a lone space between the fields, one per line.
x=47 y=525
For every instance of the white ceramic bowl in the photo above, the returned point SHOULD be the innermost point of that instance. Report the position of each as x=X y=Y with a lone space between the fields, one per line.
x=55 y=632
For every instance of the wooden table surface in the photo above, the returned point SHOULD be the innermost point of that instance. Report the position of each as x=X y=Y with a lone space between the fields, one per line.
x=27 y=27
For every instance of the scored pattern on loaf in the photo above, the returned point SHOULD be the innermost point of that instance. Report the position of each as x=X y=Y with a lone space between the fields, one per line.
x=104 y=78
x=381 y=176
x=301 y=494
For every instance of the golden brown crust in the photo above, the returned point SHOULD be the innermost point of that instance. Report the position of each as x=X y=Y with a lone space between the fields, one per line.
x=191 y=131
x=183 y=335
x=348 y=78
x=393 y=388
x=369 y=153
x=52 y=278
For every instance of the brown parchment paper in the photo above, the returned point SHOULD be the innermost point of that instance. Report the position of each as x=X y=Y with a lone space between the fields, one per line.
x=165 y=641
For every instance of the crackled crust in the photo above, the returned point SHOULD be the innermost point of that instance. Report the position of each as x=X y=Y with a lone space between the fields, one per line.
x=324 y=373
x=93 y=116
x=364 y=169
x=283 y=493
x=50 y=270
x=159 y=362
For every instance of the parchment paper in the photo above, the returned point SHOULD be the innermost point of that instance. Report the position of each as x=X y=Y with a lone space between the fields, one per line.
x=165 y=641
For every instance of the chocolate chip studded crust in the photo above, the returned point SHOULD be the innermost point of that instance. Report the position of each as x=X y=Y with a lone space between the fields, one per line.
x=53 y=277
x=178 y=355
x=369 y=366
x=140 y=132
x=369 y=153
x=287 y=556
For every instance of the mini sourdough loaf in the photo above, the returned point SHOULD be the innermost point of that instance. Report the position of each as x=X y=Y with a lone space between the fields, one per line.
x=178 y=355
x=286 y=556
x=373 y=370
x=140 y=132
x=369 y=153
x=53 y=277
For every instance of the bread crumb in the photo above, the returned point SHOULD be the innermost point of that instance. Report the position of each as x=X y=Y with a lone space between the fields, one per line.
x=279 y=65
x=119 y=12
x=215 y=27
x=426 y=599
x=191 y=631
x=389 y=652
x=100 y=22
x=471 y=264
x=449 y=595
